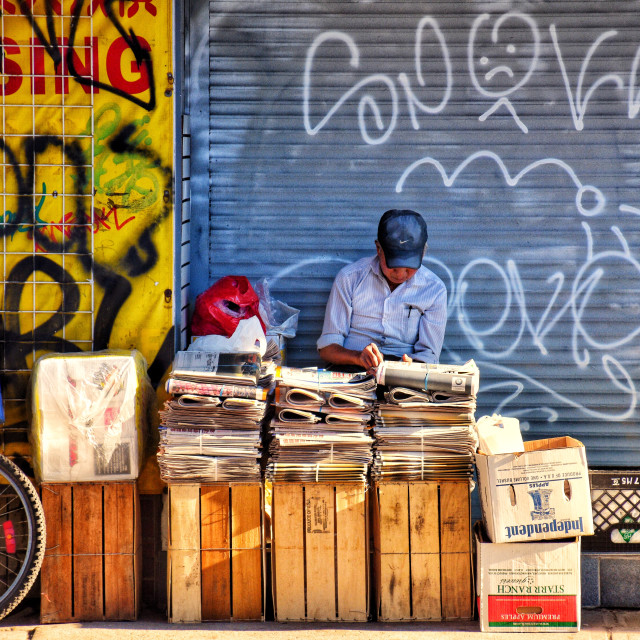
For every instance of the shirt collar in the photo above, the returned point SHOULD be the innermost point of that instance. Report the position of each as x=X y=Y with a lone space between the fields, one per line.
x=377 y=271
x=374 y=265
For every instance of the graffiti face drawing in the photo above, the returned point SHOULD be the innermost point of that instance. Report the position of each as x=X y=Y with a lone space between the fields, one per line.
x=502 y=59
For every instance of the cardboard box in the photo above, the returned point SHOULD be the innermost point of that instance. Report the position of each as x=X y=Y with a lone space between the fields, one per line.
x=540 y=494
x=528 y=586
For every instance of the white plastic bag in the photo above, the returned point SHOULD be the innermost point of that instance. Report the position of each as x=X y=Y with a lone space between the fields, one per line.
x=497 y=434
x=248 y=337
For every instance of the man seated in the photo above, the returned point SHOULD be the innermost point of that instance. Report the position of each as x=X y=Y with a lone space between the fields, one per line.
x=387 y=305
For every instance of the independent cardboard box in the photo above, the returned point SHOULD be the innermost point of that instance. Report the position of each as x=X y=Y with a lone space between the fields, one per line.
x=528 y=586
x=540 y=494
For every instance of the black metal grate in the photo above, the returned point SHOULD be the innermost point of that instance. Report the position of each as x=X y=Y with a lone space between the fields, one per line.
x=615 y=500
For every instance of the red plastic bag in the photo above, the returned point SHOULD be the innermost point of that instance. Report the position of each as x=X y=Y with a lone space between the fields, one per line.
x=219 y=309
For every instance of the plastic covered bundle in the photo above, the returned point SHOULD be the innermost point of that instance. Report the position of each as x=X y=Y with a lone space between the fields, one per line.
x=89 y=415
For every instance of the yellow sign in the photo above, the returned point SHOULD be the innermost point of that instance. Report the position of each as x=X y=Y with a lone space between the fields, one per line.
x=87 y=190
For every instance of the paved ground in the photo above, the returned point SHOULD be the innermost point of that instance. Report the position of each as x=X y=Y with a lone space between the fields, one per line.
x=597 y=624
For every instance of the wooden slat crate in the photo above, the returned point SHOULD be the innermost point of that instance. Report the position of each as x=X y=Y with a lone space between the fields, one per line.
x=216 y=559
x=422 y=551
x=320 y=568
x=92 y=565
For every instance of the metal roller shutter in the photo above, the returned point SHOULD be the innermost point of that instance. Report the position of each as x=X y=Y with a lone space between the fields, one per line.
x=515 y=132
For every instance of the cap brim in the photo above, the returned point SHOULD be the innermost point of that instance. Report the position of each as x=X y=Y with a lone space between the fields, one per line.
x=403 y=259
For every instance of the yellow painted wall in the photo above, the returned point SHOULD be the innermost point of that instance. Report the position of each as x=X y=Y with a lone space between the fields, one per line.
x=87 y=143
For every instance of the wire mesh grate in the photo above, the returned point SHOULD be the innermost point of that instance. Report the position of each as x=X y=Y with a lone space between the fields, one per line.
x=47 y=186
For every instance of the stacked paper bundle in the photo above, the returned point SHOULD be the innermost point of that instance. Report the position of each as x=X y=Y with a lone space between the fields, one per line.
x=424 y=430
x=211 y=428
x=320 y=428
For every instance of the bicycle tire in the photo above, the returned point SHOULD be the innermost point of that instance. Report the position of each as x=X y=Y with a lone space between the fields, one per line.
x=30 y=554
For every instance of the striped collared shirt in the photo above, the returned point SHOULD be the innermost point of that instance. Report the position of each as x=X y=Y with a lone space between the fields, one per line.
x=362 y=309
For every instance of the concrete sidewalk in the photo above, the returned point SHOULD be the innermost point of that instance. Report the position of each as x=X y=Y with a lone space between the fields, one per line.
x=597 y=624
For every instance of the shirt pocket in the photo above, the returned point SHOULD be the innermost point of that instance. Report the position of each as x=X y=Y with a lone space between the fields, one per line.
x=411 y=323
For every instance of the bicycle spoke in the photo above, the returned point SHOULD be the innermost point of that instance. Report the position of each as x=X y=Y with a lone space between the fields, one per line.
x=13 y=556
x=16 y=510
x=13 y=499
x=6 y=584
x=9 y=569
x=5 y=488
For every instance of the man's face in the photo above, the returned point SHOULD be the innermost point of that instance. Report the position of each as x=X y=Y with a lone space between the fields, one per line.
x=394 y=276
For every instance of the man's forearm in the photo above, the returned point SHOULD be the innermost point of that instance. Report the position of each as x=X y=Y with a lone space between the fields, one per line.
x=337 y=354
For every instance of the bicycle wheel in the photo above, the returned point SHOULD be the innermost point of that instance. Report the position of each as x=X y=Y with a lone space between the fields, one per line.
x=22 y=535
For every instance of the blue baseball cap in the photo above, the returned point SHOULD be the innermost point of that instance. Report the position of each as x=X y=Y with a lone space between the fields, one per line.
x=402 y=234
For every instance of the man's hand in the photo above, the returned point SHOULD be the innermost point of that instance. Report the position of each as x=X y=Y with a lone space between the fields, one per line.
x=406 y=358
x=370 y=357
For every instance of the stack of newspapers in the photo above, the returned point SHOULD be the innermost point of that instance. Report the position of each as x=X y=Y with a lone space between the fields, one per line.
x=320 y=428
x=210 y=429
x=424 y=428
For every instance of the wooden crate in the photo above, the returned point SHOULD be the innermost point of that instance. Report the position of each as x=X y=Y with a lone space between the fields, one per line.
x=422 y=551
x=92 y=565
x=320 y=551
x=216 y=558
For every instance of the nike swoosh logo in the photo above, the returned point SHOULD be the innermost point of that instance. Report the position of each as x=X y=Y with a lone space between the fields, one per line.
x=403 y=241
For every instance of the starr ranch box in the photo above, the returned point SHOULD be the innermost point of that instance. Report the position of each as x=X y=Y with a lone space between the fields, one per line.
x=528 y=586
x=540 y=494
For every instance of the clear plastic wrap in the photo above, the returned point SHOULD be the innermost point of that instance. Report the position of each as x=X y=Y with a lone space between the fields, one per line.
x=280 y=318
x=89 y=416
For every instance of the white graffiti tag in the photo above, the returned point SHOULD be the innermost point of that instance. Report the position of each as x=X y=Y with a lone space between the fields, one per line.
x=582 y=190
x=366 y=101
x=578 y=103
x=412 y=99
x=498 y=71
x=497 y=65
x=560 y=318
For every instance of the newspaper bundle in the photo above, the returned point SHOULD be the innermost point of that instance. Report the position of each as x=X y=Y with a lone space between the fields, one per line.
x=320 y=428
x=210 y=429
x=424 y=428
